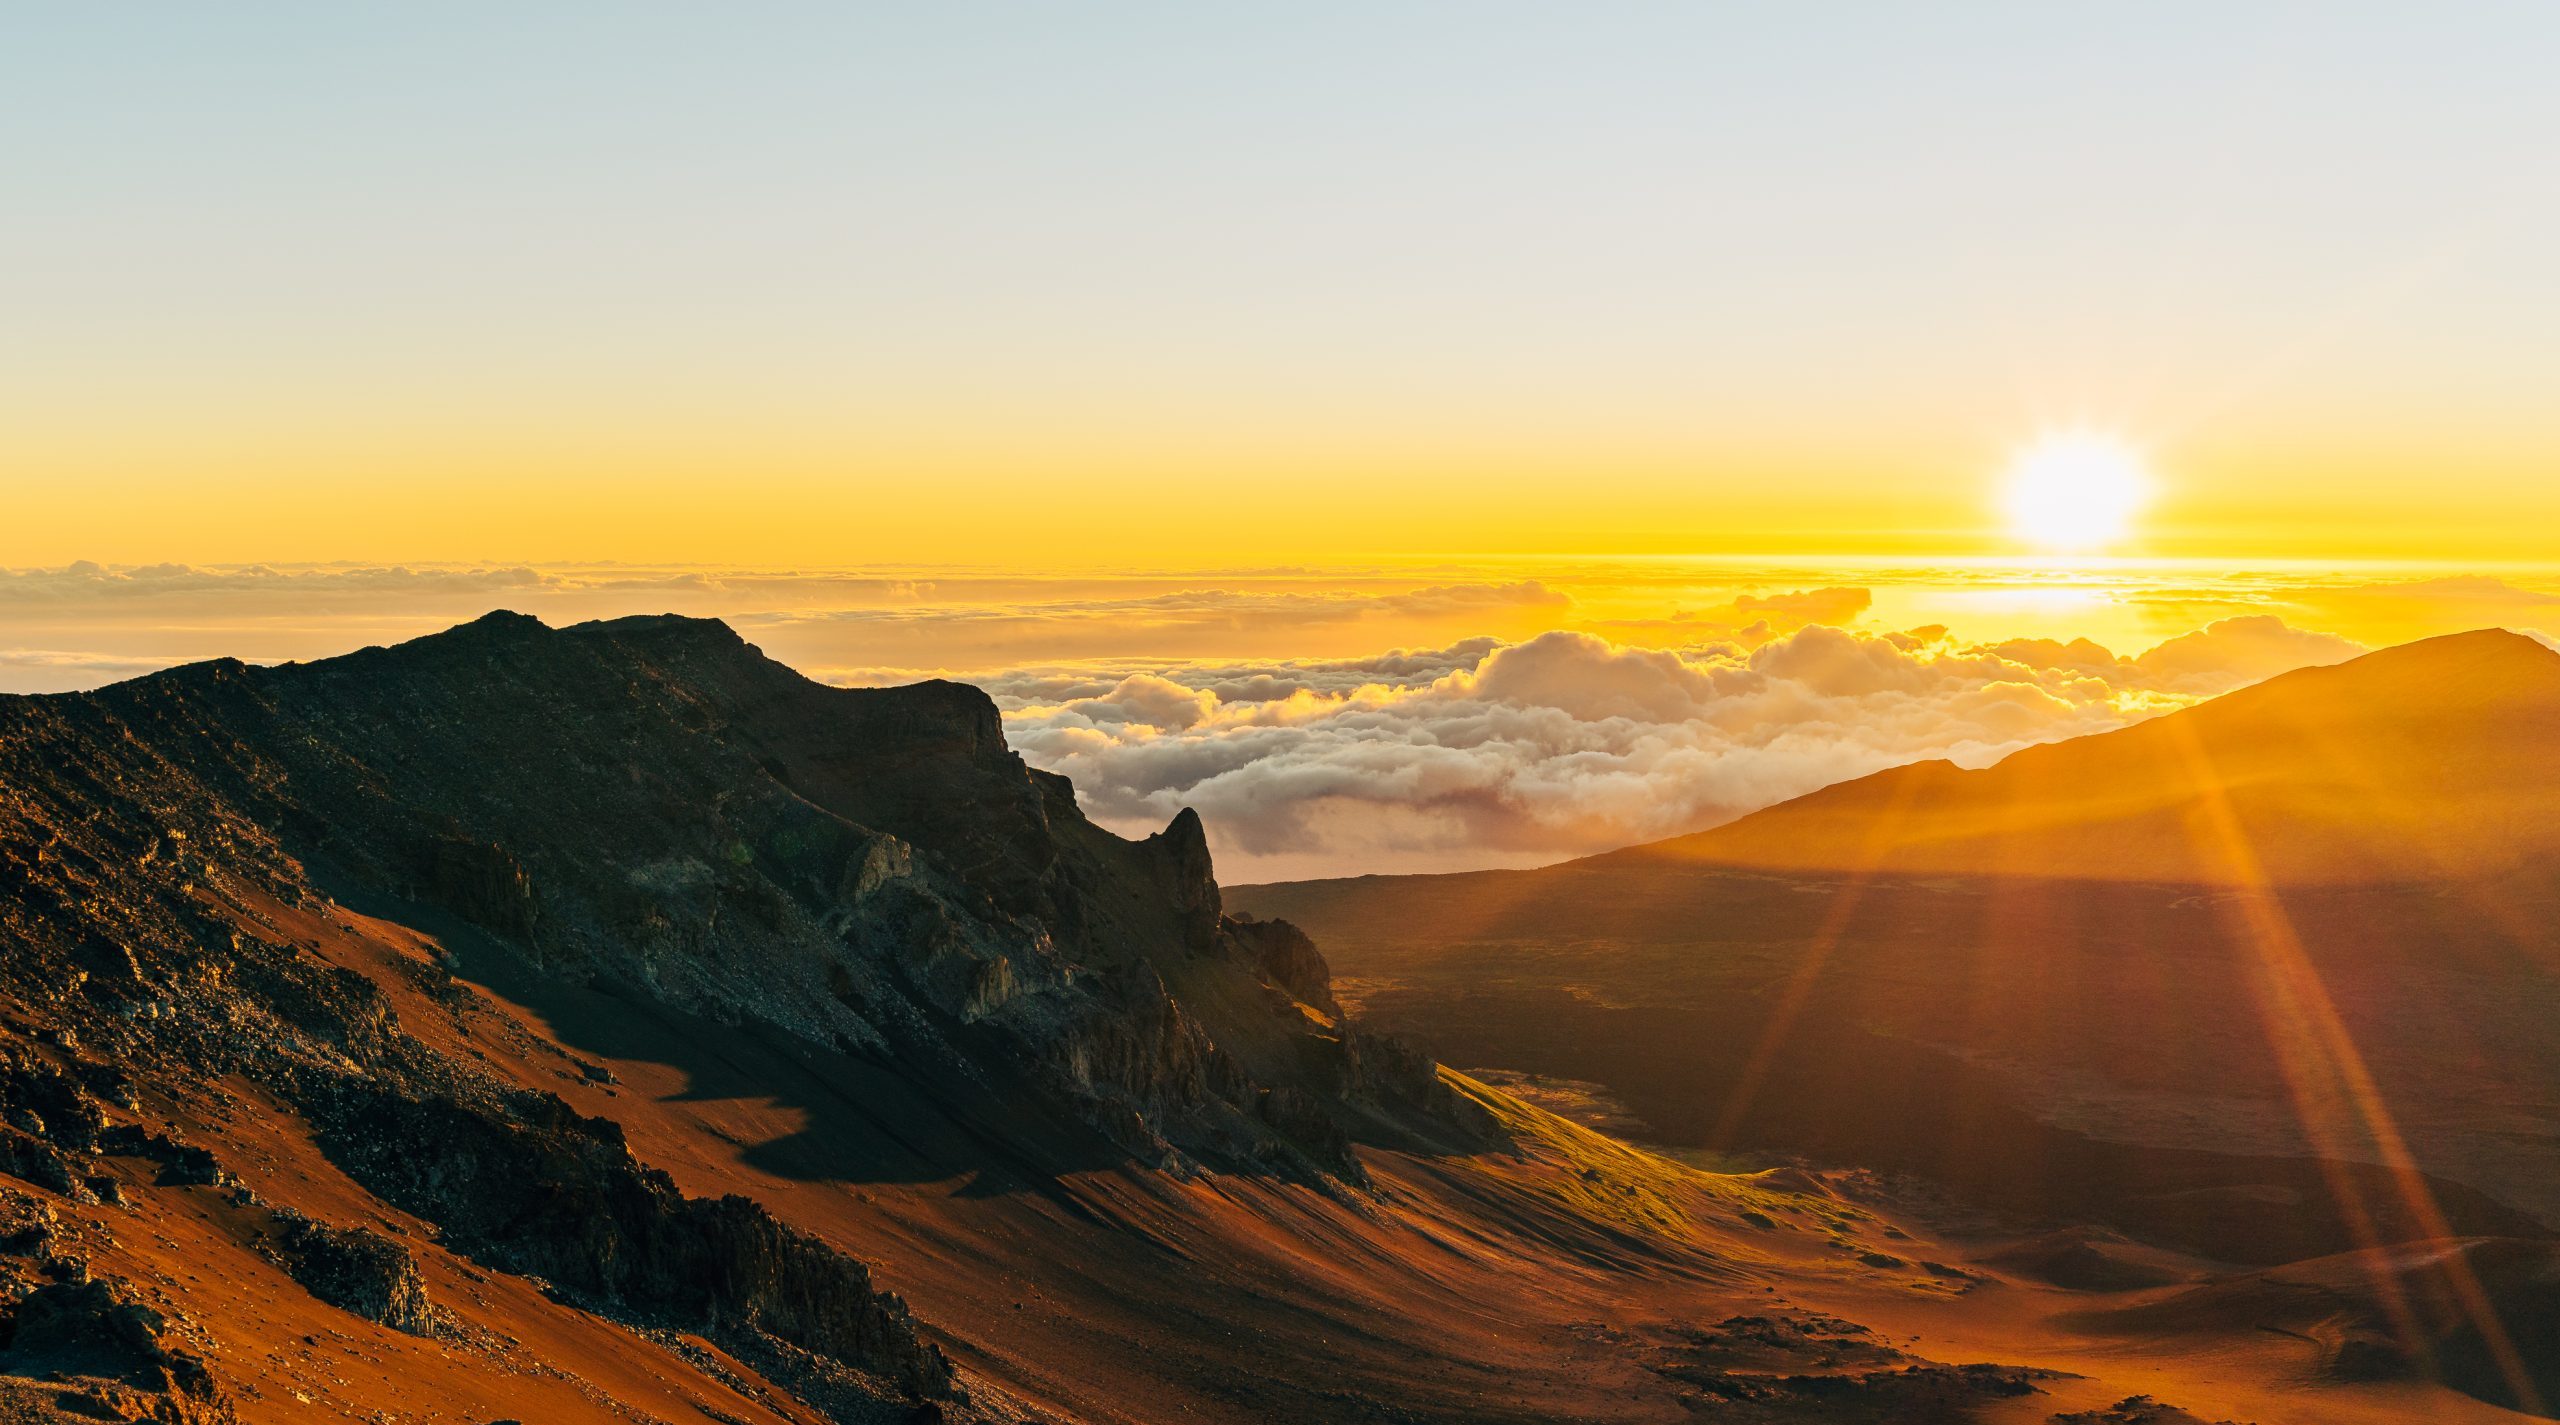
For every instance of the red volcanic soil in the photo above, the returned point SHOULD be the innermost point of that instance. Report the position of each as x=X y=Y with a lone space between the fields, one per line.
x=1576 y=1279
x=1573 y=1278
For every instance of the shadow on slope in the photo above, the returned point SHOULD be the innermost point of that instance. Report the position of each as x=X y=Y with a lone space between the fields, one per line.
x=1838 y=1094
x=2408 y=1312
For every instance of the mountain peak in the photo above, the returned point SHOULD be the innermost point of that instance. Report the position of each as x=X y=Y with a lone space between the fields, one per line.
x=669 y=627
x=2476 y=652
x=495 y=624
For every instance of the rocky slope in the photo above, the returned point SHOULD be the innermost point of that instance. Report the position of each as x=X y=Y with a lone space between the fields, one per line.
x=651 y=806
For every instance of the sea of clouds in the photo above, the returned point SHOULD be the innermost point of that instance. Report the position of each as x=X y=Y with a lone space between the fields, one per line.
x=1523 y=721
x=1486 y=752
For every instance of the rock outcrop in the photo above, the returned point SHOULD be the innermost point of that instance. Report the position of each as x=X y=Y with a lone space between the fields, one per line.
x=96 y=1331
x=541 y=1192
x=358 y=1270
x=1284 y=953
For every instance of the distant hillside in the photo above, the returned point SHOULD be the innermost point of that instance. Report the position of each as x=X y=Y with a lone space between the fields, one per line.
x=2432 y=760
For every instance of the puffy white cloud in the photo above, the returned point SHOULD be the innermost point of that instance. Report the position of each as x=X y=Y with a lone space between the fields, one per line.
x=1590 y=679
x=1145 y=700
x=1567 y=743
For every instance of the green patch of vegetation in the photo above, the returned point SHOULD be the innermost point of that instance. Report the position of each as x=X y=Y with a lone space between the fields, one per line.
x=1608 y=1180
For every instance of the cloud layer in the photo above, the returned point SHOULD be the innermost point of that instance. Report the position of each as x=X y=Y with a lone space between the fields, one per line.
x=82 y=624
x=1487 y=752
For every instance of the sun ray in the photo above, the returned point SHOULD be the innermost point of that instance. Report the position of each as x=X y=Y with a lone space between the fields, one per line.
x=2312 y=1045
x=1799 y=987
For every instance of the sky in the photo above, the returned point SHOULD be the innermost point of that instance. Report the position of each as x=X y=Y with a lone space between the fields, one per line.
x=851 y=284
x=1421 y=436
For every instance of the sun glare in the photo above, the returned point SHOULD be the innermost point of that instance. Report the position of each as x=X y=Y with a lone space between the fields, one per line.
x=2075 y=490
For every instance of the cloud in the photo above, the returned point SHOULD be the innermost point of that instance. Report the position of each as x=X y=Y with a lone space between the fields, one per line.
x=1568 y=743
x=1752 y=616
x=2233 y=651
x=85 y=581
x=1832 y=605
x=1590 y=679
x=1203 y=620
x=2378 y=612
x=1519 y=721
x=879 y=624
x=1278 y=614
x=2474 y=590
x=43 y=670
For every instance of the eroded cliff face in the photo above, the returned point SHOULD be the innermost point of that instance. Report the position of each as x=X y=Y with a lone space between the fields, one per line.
x=145 y=980
x=651 y=808
x=652 y=802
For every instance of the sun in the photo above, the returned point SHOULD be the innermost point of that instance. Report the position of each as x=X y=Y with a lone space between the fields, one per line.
x=2075 y=490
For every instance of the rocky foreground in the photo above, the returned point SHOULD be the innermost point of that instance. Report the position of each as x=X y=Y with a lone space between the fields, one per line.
x=647 y=805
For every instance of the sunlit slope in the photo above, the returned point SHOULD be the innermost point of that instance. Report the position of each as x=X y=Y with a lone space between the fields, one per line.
x=2008 y=980
x=2438 y=758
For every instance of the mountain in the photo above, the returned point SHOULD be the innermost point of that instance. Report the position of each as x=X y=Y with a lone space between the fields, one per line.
x=609 y=1024
x=2273 y=979
x=2433 y=761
